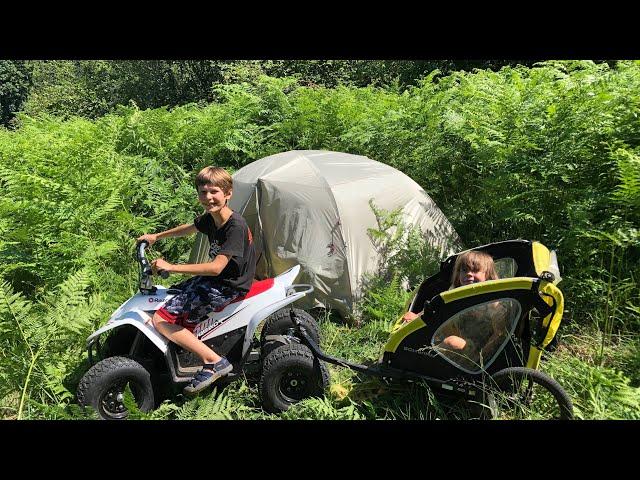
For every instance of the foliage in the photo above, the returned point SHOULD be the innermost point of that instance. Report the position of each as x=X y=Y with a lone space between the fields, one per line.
x=220 y=406
x=628 y=190
x=15 y=81
x=546 y=152
x=40 y=340
x=598 y=392
x=322 y=409
x=70 y=199
x=92 y=88
x=65 y=88
x=404 y=251
x=383 y=300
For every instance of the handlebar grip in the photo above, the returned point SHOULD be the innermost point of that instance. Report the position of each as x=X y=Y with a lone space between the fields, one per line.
x=140 y=248
x=163 y=273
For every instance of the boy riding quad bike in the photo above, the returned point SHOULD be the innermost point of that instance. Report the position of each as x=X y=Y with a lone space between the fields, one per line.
x=132 y=352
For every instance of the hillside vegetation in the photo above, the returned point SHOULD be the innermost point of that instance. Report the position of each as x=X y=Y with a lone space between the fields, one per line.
x=549 y=153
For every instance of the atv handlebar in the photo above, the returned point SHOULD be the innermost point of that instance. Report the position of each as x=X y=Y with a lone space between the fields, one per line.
x=146 y=272
x=144 y=263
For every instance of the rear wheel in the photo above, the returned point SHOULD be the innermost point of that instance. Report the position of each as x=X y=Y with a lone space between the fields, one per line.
x=291 y=373
x=281 y=323
x=103 y=387
x=520 y=393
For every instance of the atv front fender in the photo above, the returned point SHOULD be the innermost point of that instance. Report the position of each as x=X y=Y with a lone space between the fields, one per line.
x=135 y=318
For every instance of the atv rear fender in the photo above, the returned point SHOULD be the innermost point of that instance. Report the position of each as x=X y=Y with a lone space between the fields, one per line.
x=291 y=295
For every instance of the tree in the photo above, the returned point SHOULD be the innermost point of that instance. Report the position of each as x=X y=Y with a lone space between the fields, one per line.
x=15 y=82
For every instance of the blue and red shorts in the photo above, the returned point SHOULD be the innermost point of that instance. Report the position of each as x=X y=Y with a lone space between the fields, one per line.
x=199 y=296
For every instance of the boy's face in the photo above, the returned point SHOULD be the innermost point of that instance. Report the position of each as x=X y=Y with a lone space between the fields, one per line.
x=212 y=198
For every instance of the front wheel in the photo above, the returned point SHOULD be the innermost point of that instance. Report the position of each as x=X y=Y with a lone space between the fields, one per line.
x=523 y=393
x=103 y=387
x=291 y=373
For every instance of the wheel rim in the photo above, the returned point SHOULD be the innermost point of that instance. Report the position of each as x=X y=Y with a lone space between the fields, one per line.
x=112 y=400
x=294 y=385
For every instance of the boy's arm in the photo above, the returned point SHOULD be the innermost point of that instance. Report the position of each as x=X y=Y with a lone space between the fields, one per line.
x=213 y=268
x=230 y=247
x=180 y=231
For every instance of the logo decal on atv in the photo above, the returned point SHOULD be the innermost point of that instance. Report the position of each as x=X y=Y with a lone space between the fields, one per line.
x=155 y=300
x=210 y=324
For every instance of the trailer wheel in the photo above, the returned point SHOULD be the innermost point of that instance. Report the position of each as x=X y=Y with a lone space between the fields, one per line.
x=525 y=393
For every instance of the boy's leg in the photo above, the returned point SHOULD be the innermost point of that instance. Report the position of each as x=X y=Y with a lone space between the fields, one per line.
x=170 y=319
x=214 y=366
x=198 y=299
x=186 y=339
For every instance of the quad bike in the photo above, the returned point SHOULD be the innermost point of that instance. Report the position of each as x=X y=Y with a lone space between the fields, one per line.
x=131 y=351
x=508 y=323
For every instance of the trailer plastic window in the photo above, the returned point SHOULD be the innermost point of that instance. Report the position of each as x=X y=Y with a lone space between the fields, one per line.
x=472 y=338
x=506 y=267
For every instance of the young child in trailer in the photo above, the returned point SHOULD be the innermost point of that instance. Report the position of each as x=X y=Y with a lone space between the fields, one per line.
x=228 y=274
x=470 y=267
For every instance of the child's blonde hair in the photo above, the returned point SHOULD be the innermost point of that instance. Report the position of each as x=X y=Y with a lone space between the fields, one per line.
x=475 y=262
x=216 y=176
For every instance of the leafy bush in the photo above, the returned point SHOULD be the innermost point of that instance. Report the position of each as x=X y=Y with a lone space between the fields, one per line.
x=15 y=81
x=40 y=342
x=598 y=392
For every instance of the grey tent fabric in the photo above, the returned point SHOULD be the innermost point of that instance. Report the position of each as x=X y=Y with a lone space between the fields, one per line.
x=311 y=207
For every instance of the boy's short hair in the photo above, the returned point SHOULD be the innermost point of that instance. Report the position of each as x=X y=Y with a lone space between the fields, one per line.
x=217 y=176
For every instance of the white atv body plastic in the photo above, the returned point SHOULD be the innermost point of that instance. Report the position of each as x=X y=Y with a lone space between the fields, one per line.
x=138 y=310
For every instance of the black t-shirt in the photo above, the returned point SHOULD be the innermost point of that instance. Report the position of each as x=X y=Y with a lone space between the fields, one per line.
x=233 y=239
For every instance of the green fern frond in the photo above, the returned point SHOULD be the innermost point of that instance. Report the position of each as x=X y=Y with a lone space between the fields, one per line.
x=72 y=291
x=106 y=207
x=130 y=404
x=321 y=409
x=214 y=407
x=14 y=312
x=628 y=190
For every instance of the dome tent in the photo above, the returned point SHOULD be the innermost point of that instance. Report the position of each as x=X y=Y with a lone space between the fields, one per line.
x=312 y=208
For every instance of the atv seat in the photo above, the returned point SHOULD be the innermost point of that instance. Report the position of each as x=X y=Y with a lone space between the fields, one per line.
x=257 y=287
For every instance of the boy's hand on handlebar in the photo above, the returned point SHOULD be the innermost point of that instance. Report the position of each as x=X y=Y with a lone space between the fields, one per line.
x=149 y=237
x=160 y=264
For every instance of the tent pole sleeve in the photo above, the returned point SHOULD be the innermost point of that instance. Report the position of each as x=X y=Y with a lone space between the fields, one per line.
x=265 y=250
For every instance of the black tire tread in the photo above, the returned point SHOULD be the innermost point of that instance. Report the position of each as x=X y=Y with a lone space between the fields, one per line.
x=276 y=323
x=282 y=354
x=85 y=394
